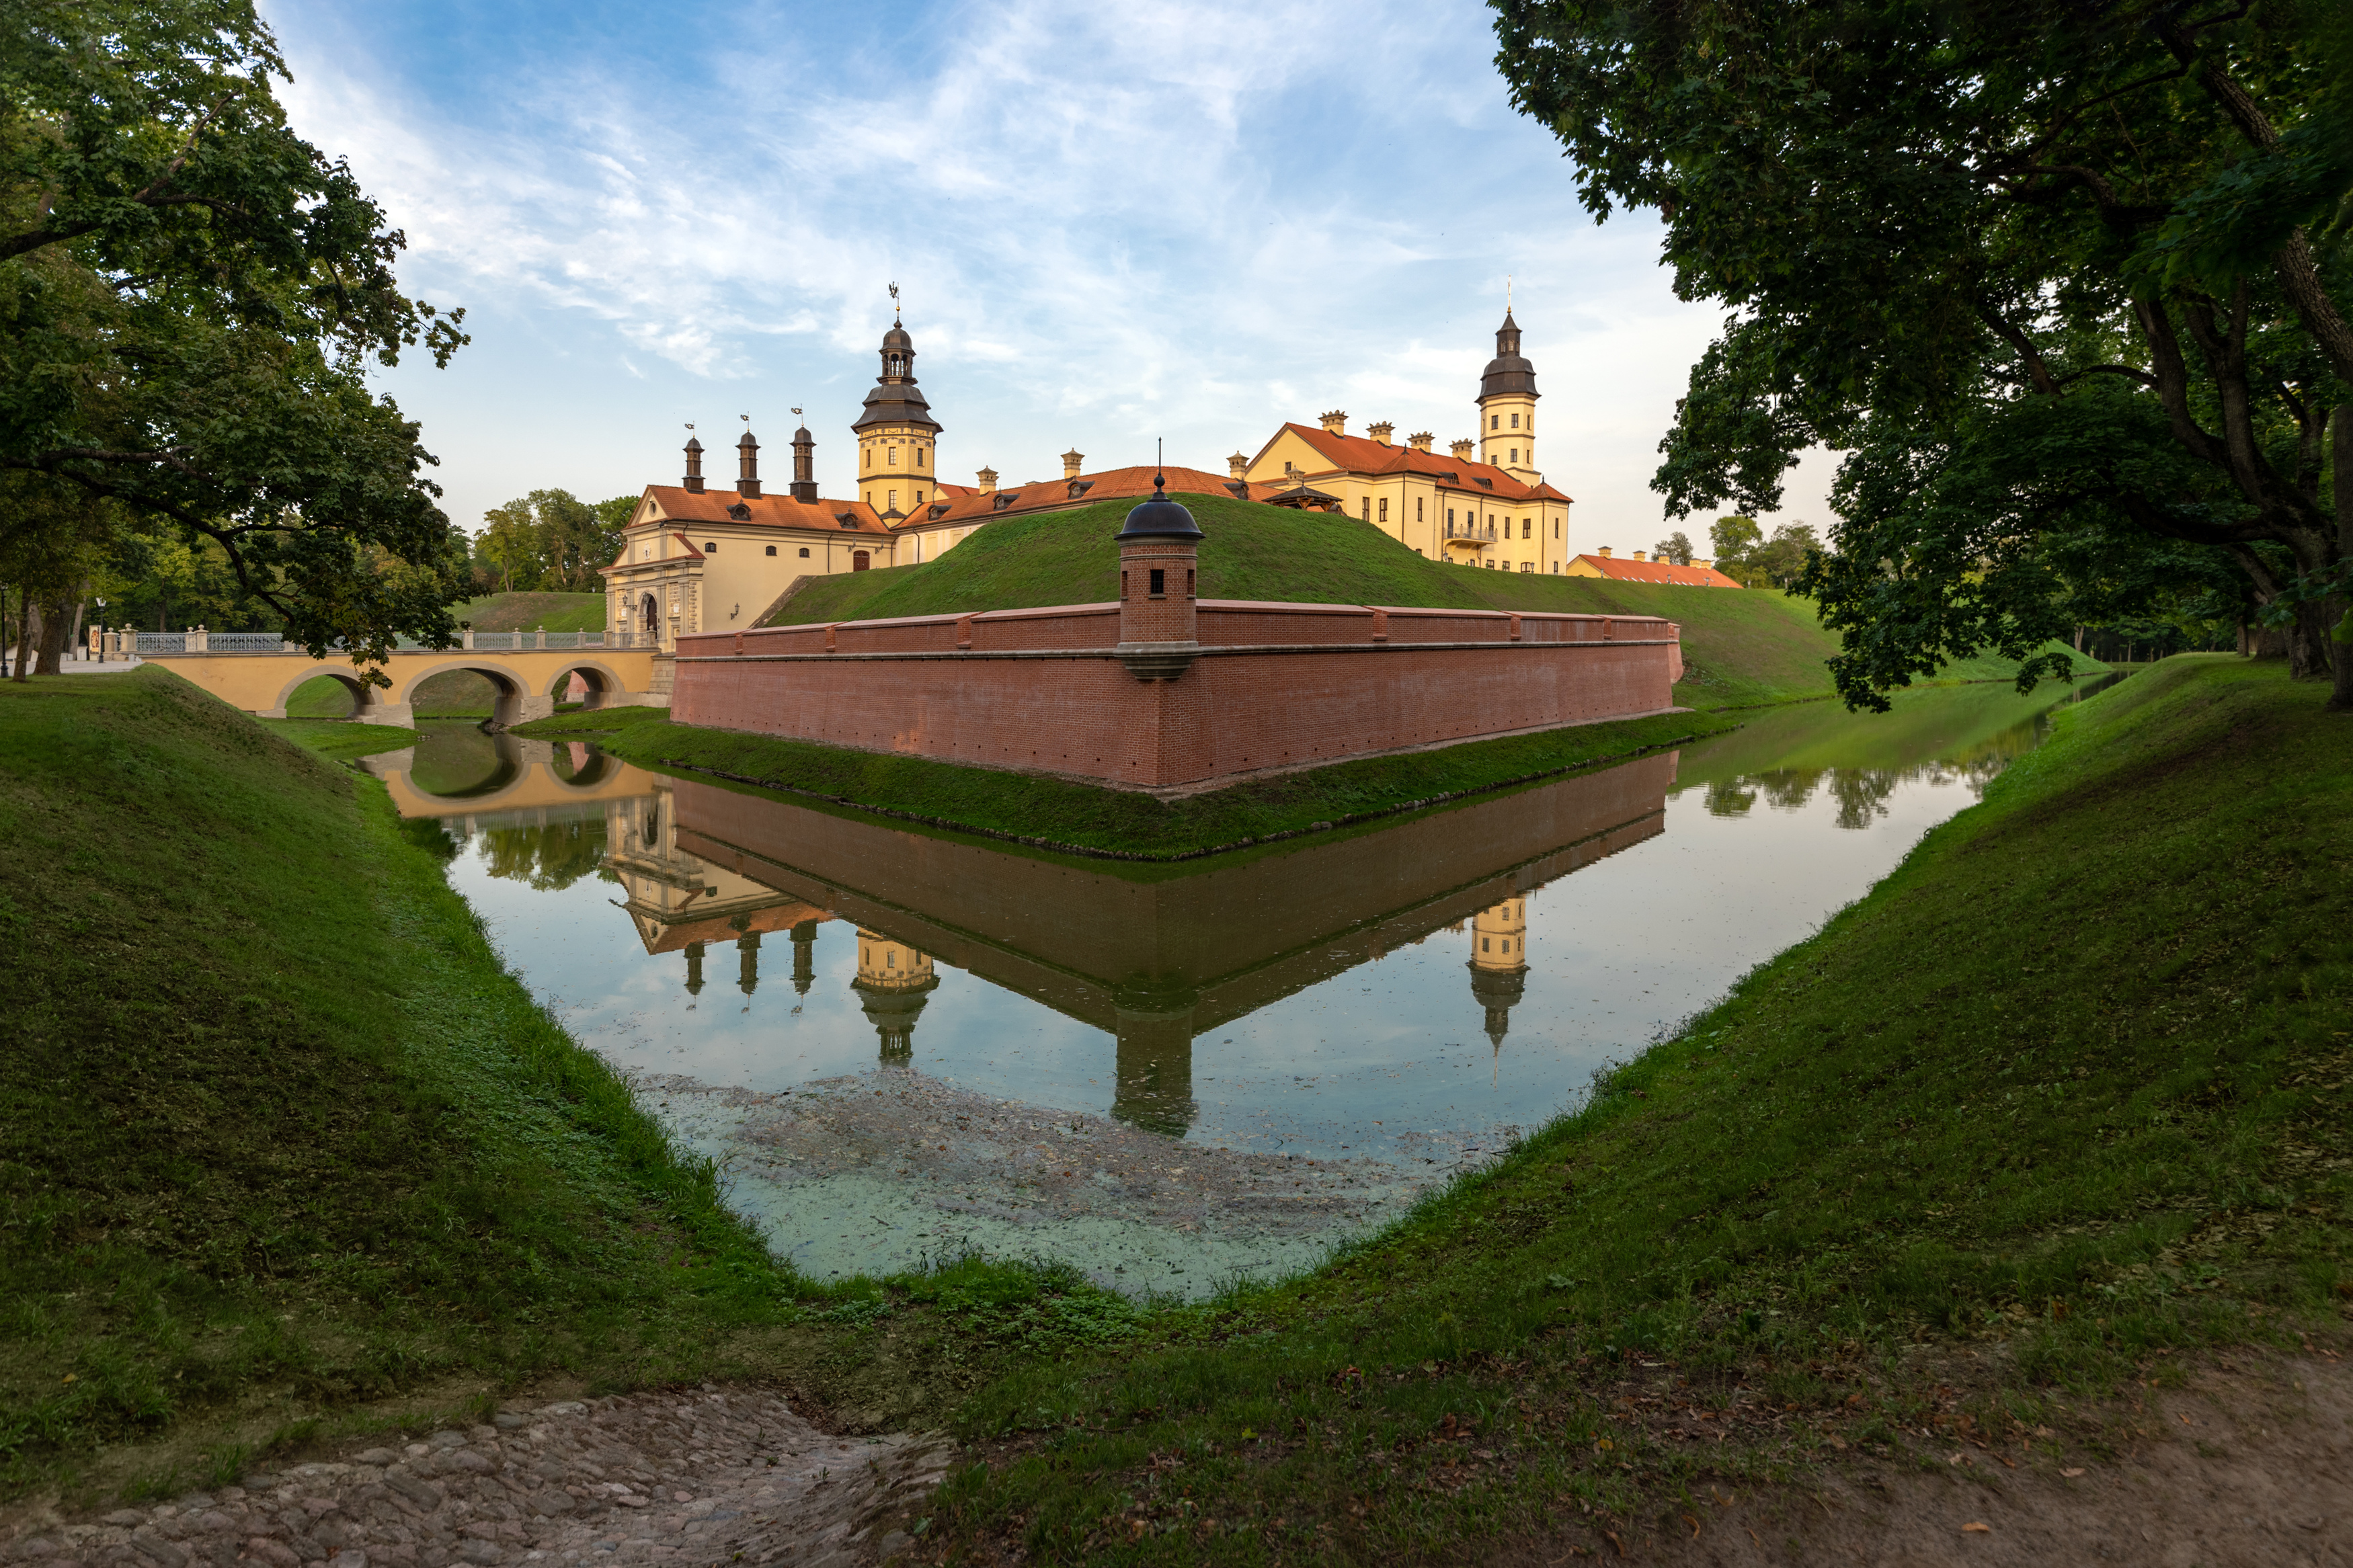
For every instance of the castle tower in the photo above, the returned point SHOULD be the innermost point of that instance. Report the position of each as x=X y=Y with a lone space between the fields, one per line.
x=692 y=483
x=894 y=981
x=898 y=439
x=804 y=956
x=694 y=969
x=1507 y=407
x=1159 y=548
x=747 y=963
x=804 y=487
x=747 y=466
x=1499 y=962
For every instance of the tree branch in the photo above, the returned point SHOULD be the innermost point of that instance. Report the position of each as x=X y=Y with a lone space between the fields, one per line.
x=2017 y=339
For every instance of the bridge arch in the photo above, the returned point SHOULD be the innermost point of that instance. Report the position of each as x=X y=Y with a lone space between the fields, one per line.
x=360 y=695
x=604 y=682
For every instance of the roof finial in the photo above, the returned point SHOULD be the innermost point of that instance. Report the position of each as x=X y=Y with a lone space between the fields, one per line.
x=894 y=302
x=1507 y=293
x=1159 y=461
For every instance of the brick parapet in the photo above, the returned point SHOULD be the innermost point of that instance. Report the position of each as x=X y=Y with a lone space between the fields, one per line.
x=1239 y=708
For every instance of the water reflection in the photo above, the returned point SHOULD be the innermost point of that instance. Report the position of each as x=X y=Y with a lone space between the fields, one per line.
x=1165 y=1075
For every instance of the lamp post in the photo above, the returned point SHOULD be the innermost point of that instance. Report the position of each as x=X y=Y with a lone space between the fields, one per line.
x=101 y=630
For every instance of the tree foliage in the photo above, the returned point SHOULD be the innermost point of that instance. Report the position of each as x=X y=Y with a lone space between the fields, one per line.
x=2067 y=278
x=554 y=540
x=190 y=298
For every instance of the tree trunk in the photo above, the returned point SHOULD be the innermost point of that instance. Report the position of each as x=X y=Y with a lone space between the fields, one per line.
x=54 y=621
x=2338 y=609
x=26 y=614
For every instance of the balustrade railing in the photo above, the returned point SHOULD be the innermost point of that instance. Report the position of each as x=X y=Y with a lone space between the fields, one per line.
x=198 y=640
x=1472 y=530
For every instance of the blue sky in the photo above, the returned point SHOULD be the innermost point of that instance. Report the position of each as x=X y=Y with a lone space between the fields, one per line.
x=1109 y=223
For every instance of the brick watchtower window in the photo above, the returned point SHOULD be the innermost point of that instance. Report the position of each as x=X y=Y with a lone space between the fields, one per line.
x=1159 y=583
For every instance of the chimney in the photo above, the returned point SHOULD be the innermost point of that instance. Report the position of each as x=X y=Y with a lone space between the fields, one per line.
x=1703 y=566
x=1462 y=450
x=1335 y=423
x=1072 y=461
x=1237 y=466
x=1605 y=552
x=988 y=481
x=1420 y=440
x=1380 y=432
x=747 y=460
x=694 y=466
x=804 y=467
x=1638 y=555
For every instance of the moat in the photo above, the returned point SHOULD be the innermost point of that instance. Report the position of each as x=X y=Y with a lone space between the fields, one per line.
x=902 y=1046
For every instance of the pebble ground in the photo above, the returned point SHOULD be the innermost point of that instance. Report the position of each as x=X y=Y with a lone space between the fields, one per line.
x=695 y=1476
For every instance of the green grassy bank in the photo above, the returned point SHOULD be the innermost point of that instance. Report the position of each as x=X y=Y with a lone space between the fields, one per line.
x=1741 y=647
x=2069 y=1091
x=283 y=1146
x=1057 y=814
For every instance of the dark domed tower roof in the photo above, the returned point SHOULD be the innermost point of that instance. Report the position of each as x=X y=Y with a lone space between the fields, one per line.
x=1160 y=518
x=1508 y=371
x=895 y=398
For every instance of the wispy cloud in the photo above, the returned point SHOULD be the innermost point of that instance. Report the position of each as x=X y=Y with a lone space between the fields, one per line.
x=1108 y=223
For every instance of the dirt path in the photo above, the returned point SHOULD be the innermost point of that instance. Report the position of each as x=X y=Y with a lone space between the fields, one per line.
x=707 y=1476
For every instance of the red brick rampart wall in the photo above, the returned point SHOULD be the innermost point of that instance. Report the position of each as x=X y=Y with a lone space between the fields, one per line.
x=1273 y=686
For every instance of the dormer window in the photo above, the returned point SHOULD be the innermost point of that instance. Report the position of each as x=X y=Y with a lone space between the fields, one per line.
x=740 y=512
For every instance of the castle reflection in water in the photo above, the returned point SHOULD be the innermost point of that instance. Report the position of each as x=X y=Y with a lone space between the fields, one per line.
x=1154 y=960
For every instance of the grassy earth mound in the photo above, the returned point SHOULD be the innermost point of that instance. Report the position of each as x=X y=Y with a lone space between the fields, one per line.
x=282 y=1142
x=532 y=610
x=1060 y=814
x=2071 y=1089
x=1740 y=646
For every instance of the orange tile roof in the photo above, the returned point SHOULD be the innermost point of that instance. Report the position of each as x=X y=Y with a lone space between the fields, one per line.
x=1363 y=455
x=1044 y=495
x=1631 y=571
x=682 y=505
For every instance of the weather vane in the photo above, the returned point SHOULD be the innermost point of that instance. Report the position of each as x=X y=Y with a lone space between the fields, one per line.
x=1507 y=293
x=797 y=413
x=894 y=299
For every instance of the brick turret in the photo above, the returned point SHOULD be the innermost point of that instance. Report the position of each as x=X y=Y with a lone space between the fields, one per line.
x=1159 y=587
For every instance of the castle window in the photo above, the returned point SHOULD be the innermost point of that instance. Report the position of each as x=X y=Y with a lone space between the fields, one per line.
x=919 y=457
x=1516 y=421
x=803 y=551
x=1527 y=527
x=1159 y=582
x=1450 y=517
x=894 y=457
x=1417 y=509
x=772 y=549
x=1366 y=506
x=1384 y=509
x=1494 y=422
x=711 y=547
x=1516 y=454
x=1485 y=946
x=1556 y=528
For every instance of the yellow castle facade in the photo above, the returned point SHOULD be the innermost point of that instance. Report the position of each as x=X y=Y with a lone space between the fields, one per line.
x=700 y=557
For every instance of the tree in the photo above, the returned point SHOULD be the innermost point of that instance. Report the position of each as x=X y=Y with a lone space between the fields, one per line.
x=2045 y=268
x=1675 y=547
x=189 y=297
x=552 y=540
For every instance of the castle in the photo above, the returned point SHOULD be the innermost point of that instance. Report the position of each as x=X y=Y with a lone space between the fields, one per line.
x=696 y=558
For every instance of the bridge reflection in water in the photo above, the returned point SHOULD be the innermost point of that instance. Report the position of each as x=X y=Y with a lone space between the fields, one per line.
x=1154 y=956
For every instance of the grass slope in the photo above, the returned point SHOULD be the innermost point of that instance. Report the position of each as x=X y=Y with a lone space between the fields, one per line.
x=2074 y=1085
x=1059 y=814
x=1740 y=646
x=527 y=612
x=280 y=1138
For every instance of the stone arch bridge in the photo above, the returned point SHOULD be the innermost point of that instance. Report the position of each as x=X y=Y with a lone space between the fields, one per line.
x=530 y=670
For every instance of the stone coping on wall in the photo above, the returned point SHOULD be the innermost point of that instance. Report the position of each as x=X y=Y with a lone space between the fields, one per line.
x=1066 y=630
x=1204 y=650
